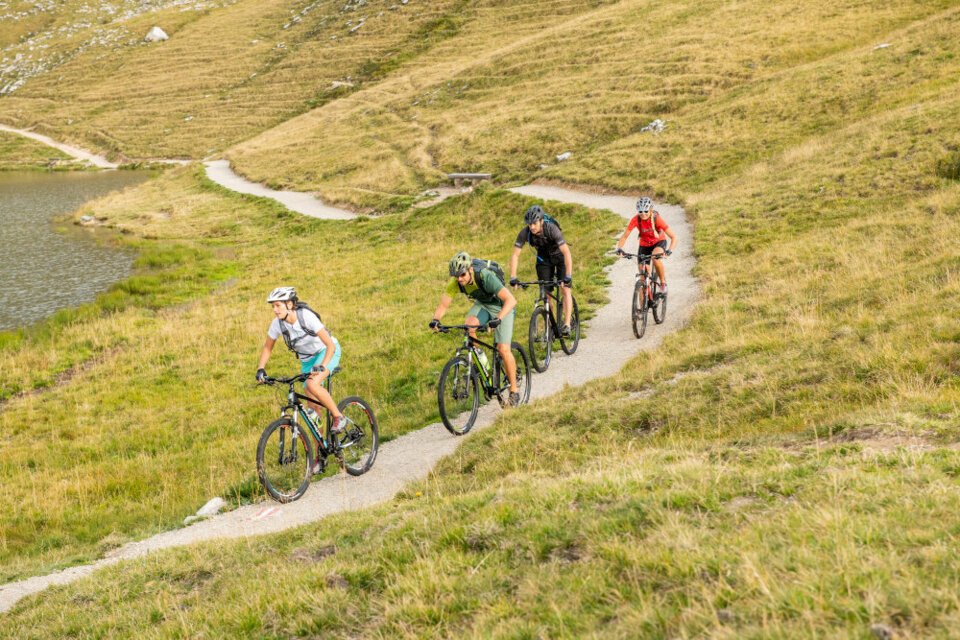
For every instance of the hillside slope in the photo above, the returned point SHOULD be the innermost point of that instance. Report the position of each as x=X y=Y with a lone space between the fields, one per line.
x=786 y=466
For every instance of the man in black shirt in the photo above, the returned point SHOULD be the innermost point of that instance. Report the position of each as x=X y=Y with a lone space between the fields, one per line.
x=554 y=261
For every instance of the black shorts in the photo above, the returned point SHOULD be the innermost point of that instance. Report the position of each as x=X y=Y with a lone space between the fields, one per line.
x=648 y=251
x=551 y=269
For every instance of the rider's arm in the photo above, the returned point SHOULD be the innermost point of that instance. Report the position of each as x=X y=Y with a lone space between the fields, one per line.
x=567 y=259
x=626 y=233
x=327 y=341
x=672 y=236
x=265 y=352
x=514 y=259
x=509 y=302
x=445 y=301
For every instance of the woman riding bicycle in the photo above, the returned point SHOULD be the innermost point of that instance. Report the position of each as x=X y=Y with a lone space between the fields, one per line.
x=653 y=233
x=305 y=335
x=554 y=261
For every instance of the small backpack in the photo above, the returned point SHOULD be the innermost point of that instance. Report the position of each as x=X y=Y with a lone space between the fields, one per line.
x=547 y=218
x=291 y=342
x=479 y=265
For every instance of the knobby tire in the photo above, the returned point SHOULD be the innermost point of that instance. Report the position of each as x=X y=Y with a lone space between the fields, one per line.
x=284 y=472
x=455 y=378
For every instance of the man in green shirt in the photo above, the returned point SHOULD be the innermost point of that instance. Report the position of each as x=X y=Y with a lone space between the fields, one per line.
x=493 y=305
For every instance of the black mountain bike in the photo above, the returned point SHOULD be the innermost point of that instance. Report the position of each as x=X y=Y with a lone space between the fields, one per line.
x=469 y=371
x=544 y=328
x=285 y=457
x=647 y=296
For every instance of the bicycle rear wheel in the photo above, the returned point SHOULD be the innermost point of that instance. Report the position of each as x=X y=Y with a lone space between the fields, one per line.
x=570 y=343
x=284 y=460
x=458 y=395
x=540 y=339
x=361 y=440
x=659 y=306
x=639 y=310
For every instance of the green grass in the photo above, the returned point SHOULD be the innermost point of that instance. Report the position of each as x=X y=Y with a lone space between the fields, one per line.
x=785 y=466
x=18 y=154
x=100 y=379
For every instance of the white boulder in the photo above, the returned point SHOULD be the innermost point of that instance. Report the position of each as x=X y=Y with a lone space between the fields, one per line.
x=212 y=507
x=564 y=156
x=156 y=34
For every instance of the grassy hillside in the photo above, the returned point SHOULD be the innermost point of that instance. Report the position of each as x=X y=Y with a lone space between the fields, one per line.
x=785 y=466
x=499 y=97
x=21 y=153
x=97 y=383
x=203 y=90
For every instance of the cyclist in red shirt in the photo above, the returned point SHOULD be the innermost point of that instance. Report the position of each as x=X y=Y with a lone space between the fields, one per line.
x=653 y=231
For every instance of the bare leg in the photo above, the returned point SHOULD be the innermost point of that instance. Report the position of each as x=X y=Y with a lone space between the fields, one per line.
x=316 y=390
x=510 y=363
x=567 y=304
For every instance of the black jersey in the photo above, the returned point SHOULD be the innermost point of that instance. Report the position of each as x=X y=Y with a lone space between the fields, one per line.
x=547 y=243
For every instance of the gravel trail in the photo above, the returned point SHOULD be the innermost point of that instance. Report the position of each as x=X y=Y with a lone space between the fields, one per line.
x=75 y=152
x=412 y=456
x=220 y=172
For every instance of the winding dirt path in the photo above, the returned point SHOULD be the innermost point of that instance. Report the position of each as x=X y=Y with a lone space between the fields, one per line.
x=75 y=152
x=220 y=172
x=412 y=456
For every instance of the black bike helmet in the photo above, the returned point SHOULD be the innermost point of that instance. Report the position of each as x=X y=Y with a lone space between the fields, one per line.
x=533 y=214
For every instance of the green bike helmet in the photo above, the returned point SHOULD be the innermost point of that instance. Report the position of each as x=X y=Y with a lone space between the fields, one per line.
x=460 y=263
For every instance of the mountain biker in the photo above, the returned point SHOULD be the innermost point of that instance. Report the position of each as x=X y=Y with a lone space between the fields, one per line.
x=493 y=305
x=653 y=233
x=318 y=351
x=554 y=261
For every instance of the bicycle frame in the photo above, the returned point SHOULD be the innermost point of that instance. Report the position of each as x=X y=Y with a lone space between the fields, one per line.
x=546 y=294
x=295 y=408
x=486 y=372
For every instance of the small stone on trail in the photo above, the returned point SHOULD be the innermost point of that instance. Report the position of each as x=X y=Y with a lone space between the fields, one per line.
x=156 y=34
x=564 y=156
x=882 y=45
x=86 y=220
x=881 y=631
x=212 y=507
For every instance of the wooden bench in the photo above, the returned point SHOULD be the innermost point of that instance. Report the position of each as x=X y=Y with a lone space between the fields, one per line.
x=458 y=178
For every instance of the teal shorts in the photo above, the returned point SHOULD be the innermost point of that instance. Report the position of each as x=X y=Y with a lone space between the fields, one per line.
x=306 y=366
x=486 y=312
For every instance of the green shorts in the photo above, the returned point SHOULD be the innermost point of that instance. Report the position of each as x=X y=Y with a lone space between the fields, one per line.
x=486 y=312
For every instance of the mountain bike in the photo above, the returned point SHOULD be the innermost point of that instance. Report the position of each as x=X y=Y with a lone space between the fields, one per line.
x=468 y=372
x=285 y=455
x=544 y=328
x=647 y=296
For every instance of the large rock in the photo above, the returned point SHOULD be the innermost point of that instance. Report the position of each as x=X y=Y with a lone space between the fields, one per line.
x=212 y=507
x=156 y=34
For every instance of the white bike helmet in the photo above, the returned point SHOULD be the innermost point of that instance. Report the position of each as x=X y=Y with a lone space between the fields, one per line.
x=282 y=294
x=644 y=204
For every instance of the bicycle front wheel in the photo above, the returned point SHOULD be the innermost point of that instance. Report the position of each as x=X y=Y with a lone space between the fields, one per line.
x=540 y=340
x=361 y=439
x=284 y=460
x=570 y=343
x=458 y=395
x=659 y=306
x=639 y=310
x=524 y=374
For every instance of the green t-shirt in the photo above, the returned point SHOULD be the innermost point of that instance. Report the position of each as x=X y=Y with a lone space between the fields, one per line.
x=487 y=293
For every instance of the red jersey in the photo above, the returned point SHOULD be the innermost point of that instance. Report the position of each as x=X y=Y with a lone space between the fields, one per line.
x=651 y=230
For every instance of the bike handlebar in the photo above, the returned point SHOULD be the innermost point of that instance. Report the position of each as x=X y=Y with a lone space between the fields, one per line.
x=446 y=328
x=297 y=378
x=542 y=283
x=648 y=258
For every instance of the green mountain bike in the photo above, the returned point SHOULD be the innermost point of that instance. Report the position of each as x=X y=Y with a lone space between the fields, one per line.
x=469 y=372
x=285 y=454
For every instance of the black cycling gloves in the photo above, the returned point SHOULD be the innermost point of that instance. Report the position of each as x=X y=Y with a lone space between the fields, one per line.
x=261 y=375
x=494 y=323
x=434 y=323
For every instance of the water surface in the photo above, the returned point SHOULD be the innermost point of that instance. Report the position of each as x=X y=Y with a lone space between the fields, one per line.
x=42 y=270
